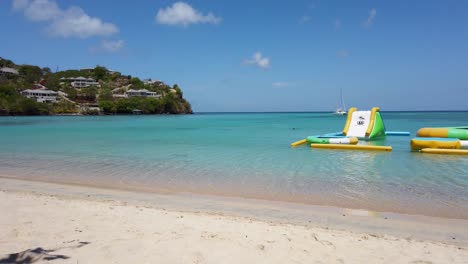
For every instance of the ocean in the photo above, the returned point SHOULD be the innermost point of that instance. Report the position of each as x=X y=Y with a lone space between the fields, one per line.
x=240 y=155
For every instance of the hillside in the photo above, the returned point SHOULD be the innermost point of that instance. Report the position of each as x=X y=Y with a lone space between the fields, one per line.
x=32 y=90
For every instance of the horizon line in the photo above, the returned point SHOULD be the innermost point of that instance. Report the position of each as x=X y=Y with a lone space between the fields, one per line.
x=331 y=112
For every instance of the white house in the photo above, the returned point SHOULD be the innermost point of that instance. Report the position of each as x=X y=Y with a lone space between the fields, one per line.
x=81 y=82
x=156 y=82
x=41 y=96
x=141 y=93
x=91 y=70
x=7 y=70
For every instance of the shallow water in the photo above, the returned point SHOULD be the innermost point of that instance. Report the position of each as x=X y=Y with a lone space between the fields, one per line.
x=246 y=155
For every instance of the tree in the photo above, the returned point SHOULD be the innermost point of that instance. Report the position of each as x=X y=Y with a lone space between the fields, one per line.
x=30 y=73
x=100 y=73
x=7 y=63
x=136 y=83
x=126 y=106
x=114 y=76
x=71 y=92
x=26 y=106
x=64 y=107
x=105 y=94
x=150 y=105
x=8 y=96
x=4 y=106
x=52 y=81
x=88 y=93
x=107 y=106
x=46 y=70
x=178 y=90
x=170 y=104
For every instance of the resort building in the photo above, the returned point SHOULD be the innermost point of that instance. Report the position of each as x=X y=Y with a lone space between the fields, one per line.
x=155 y=82
x=8 y=71
x=91 y=70
x=141 y=93
x=81 y=82
x=41 y=96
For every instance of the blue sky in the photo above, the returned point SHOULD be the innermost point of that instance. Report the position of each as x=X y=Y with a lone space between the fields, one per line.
x=258 y=55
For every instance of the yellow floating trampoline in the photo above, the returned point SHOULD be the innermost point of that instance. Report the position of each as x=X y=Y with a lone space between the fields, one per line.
x=444 y=132
x=419 y=143
x=352 y=147
x=445 y=151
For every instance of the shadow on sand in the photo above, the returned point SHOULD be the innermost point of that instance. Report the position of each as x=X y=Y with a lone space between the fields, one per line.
x=34 y=255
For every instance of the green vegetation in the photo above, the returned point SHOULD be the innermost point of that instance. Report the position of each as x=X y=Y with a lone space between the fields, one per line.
x=73 y=101
x=12 y=103
x=169 y=104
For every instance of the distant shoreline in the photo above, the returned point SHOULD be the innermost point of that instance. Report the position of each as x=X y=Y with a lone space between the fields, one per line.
x=78 y=114
x=227 y=113
x=330 y=112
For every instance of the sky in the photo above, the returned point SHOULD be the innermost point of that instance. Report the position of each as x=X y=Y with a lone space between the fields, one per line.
x=263 y=55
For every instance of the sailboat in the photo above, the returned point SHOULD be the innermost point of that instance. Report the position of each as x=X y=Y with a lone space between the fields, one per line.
x=342 y=109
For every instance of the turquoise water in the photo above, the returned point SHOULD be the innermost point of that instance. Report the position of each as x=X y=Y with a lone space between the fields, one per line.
x=242 y=155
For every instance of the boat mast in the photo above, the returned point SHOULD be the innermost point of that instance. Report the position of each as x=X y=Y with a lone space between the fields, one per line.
x=342 y=101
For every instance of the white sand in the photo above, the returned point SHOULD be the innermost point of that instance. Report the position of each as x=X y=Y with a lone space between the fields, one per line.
x=82 y=229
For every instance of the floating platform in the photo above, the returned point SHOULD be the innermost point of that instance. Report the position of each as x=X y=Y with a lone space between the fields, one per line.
x=360 y=125
x=419 y=143
x=352 y=147
x=397 y=133
x=445 y=151
x=298 y=143
x=332 y=140
x=444 y=132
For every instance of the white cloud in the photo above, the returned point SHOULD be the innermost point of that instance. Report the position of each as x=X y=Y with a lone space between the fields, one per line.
x=370 y=18
x=38 y=10
x=282 y=84
x=182 y=14
x=72 y=22
x=342 y=53
x=259 y=61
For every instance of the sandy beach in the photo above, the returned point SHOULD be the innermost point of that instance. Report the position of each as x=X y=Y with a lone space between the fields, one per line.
x=44 y=222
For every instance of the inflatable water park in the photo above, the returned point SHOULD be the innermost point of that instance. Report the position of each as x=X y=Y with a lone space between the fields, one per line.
x=363 y=126
x=441 y=140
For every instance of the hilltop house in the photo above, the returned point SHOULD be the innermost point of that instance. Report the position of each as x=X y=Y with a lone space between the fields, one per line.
x=151 y=82
x=41 y=96
x=8 y=71
x=137 y=93
x=80 y=82
x=141 y=93
x=91 y=70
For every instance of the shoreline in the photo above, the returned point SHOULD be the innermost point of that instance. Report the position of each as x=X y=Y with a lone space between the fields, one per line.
x=416 y=227
x=72 y=224
x=331 y=112
x=318 y=202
